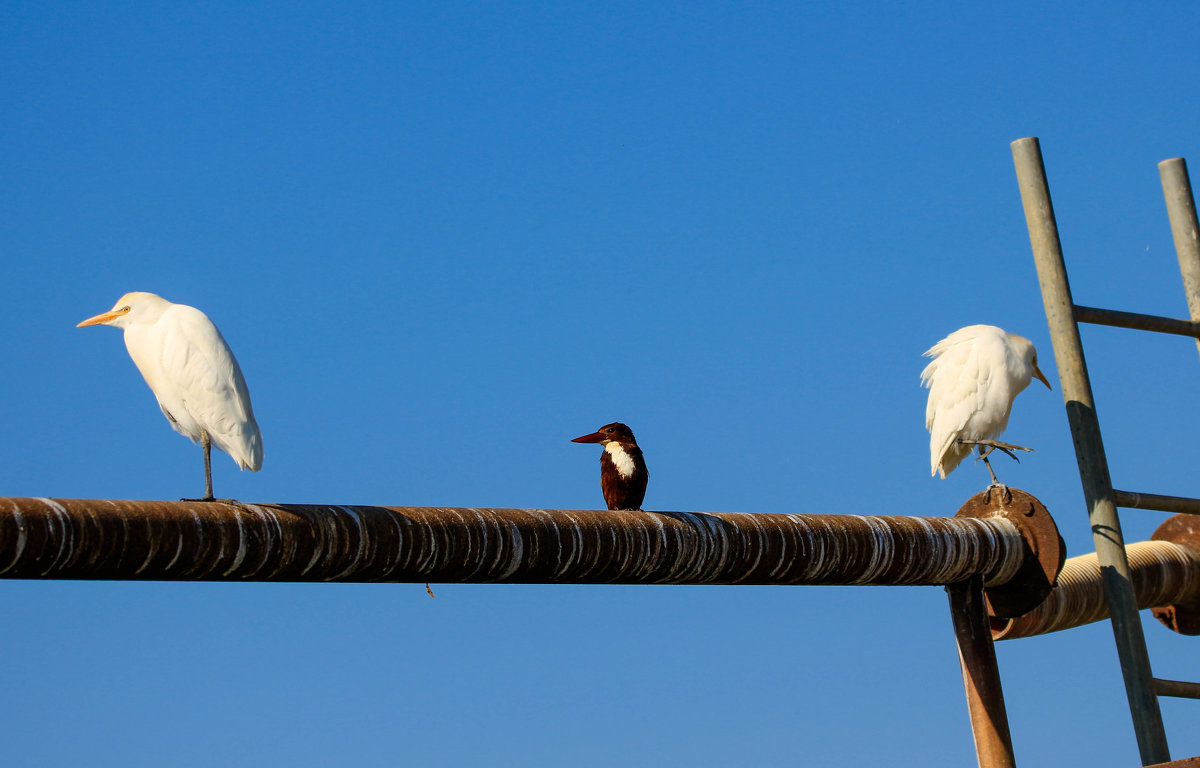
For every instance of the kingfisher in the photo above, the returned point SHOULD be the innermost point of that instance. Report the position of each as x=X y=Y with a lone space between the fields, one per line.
x=623 y=472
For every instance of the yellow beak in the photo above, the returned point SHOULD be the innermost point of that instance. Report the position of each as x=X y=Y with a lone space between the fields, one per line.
x=1038 y=373
x=102 y=318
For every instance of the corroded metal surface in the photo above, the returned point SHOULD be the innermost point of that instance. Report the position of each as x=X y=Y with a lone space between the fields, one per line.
x=1181 y=610
x=1163 y=573
x=83 y=539
x=1187 y=762
x=981 y=675
x=1046 y=550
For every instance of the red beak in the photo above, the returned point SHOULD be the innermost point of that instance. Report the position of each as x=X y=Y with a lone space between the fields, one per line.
x=595 y=437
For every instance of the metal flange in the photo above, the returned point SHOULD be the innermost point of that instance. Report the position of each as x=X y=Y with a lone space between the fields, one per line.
x=1045 y=553
x=1183 y=616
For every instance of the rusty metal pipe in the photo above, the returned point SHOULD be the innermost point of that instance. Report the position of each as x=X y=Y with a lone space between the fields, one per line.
x=184 y=541
x=1163 y=572
x=981 y=675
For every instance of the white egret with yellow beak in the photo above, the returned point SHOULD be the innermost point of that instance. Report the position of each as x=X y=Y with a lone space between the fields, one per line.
x=976 y=373
x=192 y=373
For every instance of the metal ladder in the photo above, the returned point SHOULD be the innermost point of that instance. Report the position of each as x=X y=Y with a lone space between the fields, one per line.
x=1063 y=316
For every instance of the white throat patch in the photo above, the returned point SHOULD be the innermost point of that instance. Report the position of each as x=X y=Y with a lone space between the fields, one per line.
x=622 y=460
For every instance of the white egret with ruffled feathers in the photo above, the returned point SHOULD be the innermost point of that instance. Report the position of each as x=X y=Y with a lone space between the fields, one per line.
x=975 y=375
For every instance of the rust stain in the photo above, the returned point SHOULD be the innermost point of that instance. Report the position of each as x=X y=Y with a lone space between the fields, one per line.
x=81 y=539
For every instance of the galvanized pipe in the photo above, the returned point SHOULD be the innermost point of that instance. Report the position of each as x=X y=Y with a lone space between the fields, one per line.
x=1137 y=322
x=1164 y=572
x=981 y=675
x=1158 y=502
x=1089 y=449
x=82 y=539
x=1181 y=209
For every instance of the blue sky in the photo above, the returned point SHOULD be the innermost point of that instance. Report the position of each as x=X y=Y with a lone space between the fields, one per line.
x=443 y=239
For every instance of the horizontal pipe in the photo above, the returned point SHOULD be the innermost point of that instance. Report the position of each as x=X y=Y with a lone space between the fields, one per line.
x=1175 y=504
x=82 y=539
x=1137 y=322
x=1176 y=688
x=1163 y=573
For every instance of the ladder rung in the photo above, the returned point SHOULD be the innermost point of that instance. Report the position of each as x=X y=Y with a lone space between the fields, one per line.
x=1136 y=321
x=1176 y=504
x=1176 y=688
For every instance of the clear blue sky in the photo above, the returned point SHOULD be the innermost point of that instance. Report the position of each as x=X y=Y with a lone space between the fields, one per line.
x=445 y=238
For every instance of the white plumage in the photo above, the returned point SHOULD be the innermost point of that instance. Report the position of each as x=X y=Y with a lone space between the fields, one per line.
x=621 y=459
x=192 y=373
x=975 y=375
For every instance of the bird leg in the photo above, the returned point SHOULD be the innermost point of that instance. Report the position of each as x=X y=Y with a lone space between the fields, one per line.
x=988 y=464
x=1005 y=494
x=206 y=444
x=985 y=449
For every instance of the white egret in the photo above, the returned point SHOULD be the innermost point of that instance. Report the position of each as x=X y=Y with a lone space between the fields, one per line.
x=192 y=373
x=975 y=375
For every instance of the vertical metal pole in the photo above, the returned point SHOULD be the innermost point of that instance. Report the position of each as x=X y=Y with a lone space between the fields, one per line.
x=1089 y=451
x=1181 y=208
x=981 y=675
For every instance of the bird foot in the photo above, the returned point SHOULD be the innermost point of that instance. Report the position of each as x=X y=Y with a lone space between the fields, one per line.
x=1002 y=489
x=211 y=500
x=991 y=445
x=427 y=589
